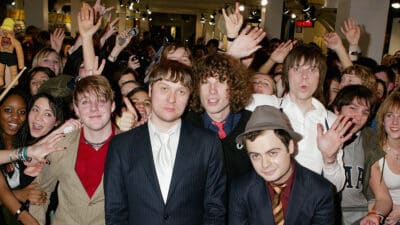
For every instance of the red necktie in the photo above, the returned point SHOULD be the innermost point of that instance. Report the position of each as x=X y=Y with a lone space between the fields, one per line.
x=221 y=131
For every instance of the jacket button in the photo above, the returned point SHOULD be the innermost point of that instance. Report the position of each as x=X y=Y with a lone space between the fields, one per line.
x=166 y=217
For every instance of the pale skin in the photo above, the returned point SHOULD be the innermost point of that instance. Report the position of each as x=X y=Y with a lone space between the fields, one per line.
x=333 y=41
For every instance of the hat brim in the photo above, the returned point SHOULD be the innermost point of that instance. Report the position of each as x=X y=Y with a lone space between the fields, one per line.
x=294 y=135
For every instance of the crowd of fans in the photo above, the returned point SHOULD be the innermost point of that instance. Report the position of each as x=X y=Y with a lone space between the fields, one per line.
x=345 y=106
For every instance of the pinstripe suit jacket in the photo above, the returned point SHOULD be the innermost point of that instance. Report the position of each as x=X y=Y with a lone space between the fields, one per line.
x=74 y=205
x=197 y=189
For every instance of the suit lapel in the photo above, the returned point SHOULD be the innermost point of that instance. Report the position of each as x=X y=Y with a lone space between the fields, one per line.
x=262 y=202
x=297 y=195
x=145 y=156
x=70 y=165
x=182 y=157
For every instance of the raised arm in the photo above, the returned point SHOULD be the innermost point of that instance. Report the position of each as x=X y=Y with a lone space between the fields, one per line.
x=57 y=38
x=352 y=32
x=383 y=201
x=247 y=42
x=334 y=42
x=87 y=28
x=233 y=23
x=277 y=56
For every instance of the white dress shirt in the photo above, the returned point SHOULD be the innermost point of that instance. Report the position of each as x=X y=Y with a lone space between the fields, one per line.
x=308 y=154
x=164 y=146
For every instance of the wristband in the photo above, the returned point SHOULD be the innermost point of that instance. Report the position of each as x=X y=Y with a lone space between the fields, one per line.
x=380 y=217
x=230 y=39
x=24 y=206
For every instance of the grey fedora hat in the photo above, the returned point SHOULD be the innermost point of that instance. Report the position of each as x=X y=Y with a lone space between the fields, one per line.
x=267 y=117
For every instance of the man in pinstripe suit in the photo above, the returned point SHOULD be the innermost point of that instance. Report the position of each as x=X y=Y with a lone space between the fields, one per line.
x=166 y=171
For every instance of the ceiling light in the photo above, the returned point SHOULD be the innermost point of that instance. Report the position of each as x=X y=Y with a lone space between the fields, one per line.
x=396 y=4
x=293 y=16
x=264 y=2
x=241 y=8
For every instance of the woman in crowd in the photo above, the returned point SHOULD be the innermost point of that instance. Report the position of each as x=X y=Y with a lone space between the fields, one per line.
x=389 y=137
x=36 y=77
x=48 y=57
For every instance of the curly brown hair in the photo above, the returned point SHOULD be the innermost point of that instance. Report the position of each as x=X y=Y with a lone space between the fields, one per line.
x=223 y=67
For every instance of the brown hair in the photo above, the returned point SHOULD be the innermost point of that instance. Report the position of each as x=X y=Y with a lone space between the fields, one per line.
x=96 y=84
x=310 y=54
x=173 y=71
x=172 y=48
x=223 y=67
x=391 y=102
x=367 y=78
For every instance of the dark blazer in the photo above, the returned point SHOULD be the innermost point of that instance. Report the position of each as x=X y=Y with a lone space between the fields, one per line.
x=236 y=160
x=311 y=200
x=196 y=193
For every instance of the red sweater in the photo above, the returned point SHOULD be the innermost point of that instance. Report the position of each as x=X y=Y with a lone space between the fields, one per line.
x=90 y=164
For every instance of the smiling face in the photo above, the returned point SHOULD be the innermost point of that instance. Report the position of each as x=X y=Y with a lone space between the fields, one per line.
x=142 y=102
x=270 y=157
x=94 y=111
x=12 y=114
x=51 y=61
x=358 y=110
x=214 y=97
x=41 y=118
x=391 y=123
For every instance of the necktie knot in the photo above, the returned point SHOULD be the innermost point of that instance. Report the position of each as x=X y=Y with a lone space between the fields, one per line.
x=220 y=126
x=278 y=188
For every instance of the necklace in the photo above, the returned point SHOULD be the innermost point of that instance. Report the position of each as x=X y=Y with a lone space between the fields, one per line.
x=395 y=155
x=95 y=145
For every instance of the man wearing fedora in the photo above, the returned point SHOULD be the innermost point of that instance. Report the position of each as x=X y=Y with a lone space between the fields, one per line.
x=279 y=190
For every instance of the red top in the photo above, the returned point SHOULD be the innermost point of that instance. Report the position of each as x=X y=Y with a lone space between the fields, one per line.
x=90 y=164
x=285 y=195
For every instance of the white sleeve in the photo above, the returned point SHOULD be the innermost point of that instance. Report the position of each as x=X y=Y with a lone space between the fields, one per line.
x=335 y=172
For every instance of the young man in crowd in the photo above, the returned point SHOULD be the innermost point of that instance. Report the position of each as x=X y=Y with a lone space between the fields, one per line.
x=79 y=170
x=166 y=171
x=222 y=90
x=280 y=190
x=361 y=153
x=323 y=135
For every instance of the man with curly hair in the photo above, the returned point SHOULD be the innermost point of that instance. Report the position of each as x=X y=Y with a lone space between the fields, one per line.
x=221 y=92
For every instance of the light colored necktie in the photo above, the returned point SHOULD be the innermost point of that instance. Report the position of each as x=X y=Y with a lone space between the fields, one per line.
x=277 y=206
x=165 y=164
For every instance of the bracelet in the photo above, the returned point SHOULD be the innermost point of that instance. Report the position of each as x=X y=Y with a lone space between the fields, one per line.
x=24 y=206
x=380 y=217
x=10 y=156
x=230 y=39
x=23 y=154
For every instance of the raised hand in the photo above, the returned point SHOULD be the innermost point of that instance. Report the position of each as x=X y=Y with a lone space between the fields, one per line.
x=280 y=53
x=86 y=21
x=129 y=116
x=351 y=31
x=330 y=142
x=97 y=69
x=233 y=21
x=247 y=42
x=56 y=39
x=100 y=9
x=333 y=41
x=110 y=30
